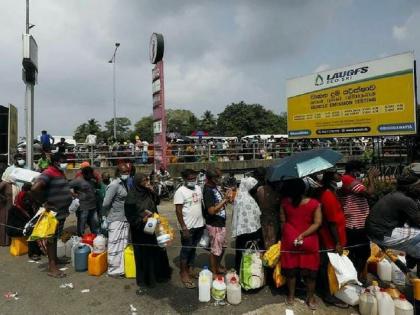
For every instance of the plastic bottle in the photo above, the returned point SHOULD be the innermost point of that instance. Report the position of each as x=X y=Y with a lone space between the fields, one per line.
x=397 y=276
x=385 y=270
x=385 y=303
x=204 y=285
x=61 y=249
x=230 y=274
x=81 y=254
x=99 y=244
x=368 y=305
x=18 y=246
x=218 y=290
x=129 y=262
x=88 y=238
x=234 y=291
x=69 y=245
x=403 y=307
x=349 y=294
x=374 y=287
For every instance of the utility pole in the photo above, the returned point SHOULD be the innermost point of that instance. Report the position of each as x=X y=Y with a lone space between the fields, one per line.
x=114 y=88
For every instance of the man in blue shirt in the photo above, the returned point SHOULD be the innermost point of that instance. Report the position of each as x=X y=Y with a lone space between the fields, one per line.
x=46 y=141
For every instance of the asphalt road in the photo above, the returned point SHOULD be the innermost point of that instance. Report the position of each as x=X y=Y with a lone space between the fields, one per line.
x=41 y=295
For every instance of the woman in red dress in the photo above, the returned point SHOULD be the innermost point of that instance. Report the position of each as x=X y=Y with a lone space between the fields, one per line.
x=300 y=218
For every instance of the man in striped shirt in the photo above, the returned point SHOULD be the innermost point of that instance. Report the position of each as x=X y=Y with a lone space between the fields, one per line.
x=354 y=199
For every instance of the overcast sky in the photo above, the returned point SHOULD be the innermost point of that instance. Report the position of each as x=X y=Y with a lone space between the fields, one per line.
x=216 y=52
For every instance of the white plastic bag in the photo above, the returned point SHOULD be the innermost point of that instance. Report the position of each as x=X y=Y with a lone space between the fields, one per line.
x=75 y=204
x=344 y=269
x=204 y=240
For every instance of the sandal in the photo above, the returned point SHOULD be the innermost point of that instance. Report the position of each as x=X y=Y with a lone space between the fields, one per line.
x=189 y=284
x=289 y=301
x=312 y=305
x=35 y=258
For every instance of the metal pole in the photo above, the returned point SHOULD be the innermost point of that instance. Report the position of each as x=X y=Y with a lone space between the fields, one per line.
x=114 y=97
x=27 y=16
x=29 y=110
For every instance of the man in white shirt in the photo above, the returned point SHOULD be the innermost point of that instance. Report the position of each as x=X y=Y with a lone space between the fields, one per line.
x=188 y=206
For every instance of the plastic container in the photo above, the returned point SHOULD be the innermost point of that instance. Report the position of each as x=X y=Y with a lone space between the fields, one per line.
x=18 y=246
x=61 y=249
x=349 y=294
x=129 y=262
x=230 y=274
x=403 y=307
x=385 y=303
x=88 y=239
x=150 y=226
x=70 y=245
x=204 y=285
x=393 y=292
x=218 y=290
x=397 y=276
x=374 y=287
x=385 y=270
x=97 y=264
x=99 y=244
x=233 y=291
x=368 y=305
x=81 y=254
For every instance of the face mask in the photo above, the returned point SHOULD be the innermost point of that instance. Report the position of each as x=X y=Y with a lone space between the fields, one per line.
x=125 y=176
x=21 y=162
x=338 y=185
x=63 y=166
x=190 y=184
x=319 y=177
x=311 y=183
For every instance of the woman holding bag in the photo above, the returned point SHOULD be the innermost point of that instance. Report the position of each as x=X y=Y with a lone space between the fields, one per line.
x=300 y=218
x=152 y=263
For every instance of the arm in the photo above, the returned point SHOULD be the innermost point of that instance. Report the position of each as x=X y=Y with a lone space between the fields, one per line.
x=315 y=225
x=217 y=207
x=37 y=190
x=212 y=207
x=184 y=228
x=110 y=193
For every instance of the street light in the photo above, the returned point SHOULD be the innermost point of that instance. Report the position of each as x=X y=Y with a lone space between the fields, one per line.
x=113 y=61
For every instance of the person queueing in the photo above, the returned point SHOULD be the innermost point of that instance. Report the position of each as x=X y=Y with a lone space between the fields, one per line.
x=394 y=221
x=188 y=206
x=113 y=209
x=332 y=233
x=246 y=225
x=52 y=187
x=354 y=199
x=300 y=218
x=85 y=189
x=152 y=263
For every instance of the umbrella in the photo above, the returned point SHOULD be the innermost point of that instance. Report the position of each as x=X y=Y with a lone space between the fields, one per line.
x=303 y=164
x=199 y=133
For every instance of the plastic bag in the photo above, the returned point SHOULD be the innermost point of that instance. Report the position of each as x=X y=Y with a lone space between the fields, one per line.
x=278 y=278
x=75 y=204
x=252 y=270
x=272 y=255
x=344 y=269
x=204 y=240
x=45 y=227
x=332 y=280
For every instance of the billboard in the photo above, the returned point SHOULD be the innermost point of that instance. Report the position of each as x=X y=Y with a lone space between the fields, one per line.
x=373 y=98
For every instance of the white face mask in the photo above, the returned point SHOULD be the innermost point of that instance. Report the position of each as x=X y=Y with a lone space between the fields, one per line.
x=125 y=176
x=190 y=184
x=21 y=162
x=338 y=185
x=63 y=166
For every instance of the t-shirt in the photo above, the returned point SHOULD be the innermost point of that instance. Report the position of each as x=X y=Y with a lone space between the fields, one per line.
x=212 y=196
x=391 y=211
x=191 y=206
x=355 y=205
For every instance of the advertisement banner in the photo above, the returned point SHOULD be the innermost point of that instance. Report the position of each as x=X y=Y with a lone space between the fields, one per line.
x=374 y=98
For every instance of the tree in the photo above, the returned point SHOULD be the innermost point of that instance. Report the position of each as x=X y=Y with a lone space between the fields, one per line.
x=240 y=119
x=123 y=128
x=91 y=127
x=144 y=129
x=208 y=123
x=181 y=120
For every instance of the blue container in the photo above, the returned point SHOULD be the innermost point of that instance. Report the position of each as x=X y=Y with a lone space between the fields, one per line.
x=81 y=255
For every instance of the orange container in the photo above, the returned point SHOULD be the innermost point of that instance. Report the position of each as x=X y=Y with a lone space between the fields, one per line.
x=97 y=264
x=18 y=246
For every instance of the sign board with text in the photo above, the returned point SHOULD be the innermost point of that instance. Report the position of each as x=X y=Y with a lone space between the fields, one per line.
x=374 y=98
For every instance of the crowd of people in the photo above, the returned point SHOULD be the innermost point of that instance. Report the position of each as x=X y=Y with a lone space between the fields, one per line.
x=323 y=211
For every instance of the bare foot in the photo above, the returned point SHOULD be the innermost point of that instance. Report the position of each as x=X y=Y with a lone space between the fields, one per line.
x=56 y=274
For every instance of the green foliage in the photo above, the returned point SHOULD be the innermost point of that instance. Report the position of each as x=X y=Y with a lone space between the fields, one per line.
x=92 y=126
x=208 y=123
x=144 y=129
x=181 y=120
x=240 y=119
x=123 y=128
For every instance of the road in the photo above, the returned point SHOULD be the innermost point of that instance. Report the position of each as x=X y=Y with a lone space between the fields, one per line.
x=39 y=294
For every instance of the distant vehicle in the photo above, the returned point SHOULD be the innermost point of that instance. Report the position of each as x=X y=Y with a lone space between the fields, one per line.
x=207 y=138
x=264 y=137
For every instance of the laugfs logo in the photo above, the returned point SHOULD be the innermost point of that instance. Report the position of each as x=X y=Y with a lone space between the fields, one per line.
x=339 y=76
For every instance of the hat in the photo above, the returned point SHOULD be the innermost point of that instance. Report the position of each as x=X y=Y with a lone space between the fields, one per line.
x=84 y=164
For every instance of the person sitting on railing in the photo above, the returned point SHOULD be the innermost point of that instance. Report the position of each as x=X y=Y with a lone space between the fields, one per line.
x=394 y=221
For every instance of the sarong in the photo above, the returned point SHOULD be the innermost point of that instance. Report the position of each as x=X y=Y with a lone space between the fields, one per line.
x=117 y=241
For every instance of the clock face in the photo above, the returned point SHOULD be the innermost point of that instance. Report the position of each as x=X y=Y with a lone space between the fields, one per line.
x=156 y=48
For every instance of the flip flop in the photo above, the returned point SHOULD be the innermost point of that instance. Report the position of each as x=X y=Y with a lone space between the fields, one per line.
x=189 y=284
x=289 y=302
x=35 y=257
x=312 y=305
x=57 y=275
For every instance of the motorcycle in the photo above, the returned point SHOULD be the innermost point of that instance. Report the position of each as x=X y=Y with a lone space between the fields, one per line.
x=166 y=188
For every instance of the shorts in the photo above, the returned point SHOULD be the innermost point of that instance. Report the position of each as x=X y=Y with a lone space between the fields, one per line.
x=217 y=239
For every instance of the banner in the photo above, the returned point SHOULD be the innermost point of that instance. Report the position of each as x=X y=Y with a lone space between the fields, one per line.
x=374 y=98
